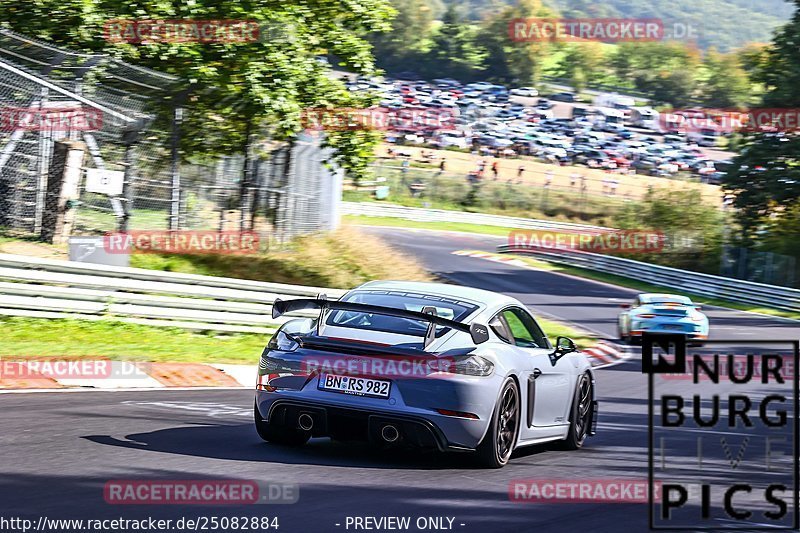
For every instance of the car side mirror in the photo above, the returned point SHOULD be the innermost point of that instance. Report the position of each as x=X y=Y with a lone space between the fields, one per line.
x=564 y=346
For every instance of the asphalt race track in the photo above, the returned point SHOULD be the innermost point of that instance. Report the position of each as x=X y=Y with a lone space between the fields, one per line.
x=591 y=305
x=59 y=449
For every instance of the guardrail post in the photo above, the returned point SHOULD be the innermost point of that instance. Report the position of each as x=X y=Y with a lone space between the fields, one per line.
x=128 y=184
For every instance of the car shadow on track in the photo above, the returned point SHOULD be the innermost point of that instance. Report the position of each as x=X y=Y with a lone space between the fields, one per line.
x=239 y=442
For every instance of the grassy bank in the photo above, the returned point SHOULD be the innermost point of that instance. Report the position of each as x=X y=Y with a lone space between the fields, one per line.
x=342 y=259
x=36 y=338
x=39 y=337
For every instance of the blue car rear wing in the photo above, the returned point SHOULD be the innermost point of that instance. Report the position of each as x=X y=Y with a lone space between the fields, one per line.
x=478 y=332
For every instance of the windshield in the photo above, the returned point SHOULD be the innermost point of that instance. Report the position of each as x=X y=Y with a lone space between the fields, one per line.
x=445 y=307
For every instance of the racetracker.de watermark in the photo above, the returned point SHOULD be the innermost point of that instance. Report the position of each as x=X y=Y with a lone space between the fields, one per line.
x=609 y=30
x=578 y=491
x=199 y=492
x=378 y=118
x=605 y=242
x=59 y=368
x=146 y=31
x=182 y=242
x=55 y=119
x=379 y=366
x=727 y=121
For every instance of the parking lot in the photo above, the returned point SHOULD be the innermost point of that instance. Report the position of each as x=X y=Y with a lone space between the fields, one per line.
x=491 y=120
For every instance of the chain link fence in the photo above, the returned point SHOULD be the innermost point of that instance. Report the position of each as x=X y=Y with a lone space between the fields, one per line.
x=130 y=129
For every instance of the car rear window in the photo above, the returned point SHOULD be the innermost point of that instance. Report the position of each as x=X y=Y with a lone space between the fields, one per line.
x=452 y=309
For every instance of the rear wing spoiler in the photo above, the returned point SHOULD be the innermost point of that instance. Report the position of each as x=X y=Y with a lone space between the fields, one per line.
x=478 y=332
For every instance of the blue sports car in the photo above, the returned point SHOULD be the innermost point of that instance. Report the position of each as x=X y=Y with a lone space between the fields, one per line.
x=423 y=365
x=661 y=313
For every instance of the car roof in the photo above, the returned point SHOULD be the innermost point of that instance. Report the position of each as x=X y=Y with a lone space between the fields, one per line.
x=479 y=296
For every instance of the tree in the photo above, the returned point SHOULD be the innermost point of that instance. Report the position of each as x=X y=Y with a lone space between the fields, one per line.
x=782 y=73
x=692 y=228
x=765 y=178
x=409 y=38
x=455 y=51
x=519 y=62
x=582 y=63
x=235 y=87
x=726 y=84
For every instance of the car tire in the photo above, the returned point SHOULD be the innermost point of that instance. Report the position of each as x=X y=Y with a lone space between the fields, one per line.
x=279 y=435
x=498 y=444
x=580 y=418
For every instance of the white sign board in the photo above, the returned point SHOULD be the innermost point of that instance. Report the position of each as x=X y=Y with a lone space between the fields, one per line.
x=101 y=181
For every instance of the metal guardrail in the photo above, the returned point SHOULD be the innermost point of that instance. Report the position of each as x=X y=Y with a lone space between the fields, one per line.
x=419 y=214
x=48 y=288
x=733 y=290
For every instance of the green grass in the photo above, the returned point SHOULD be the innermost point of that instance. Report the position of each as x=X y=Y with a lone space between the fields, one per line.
x=445 y=226
x=556 y=329
x=643 y=286
x=107 y=339
x=40 y=337
x=335 y=260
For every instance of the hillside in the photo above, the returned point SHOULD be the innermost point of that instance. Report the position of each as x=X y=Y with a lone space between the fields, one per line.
x=735 y=22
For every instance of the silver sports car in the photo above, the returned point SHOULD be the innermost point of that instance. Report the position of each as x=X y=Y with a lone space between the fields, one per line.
x=423 y=365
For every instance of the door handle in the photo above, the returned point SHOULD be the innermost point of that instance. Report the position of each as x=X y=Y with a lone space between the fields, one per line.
x=536 y=373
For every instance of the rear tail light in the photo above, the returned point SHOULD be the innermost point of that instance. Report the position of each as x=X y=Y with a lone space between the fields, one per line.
x=262 y=382
x=471 y=365
x=271 y=369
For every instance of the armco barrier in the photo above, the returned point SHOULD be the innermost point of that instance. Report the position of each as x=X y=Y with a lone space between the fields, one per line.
x=49 y=288
x=418 y=214
x=733 y=290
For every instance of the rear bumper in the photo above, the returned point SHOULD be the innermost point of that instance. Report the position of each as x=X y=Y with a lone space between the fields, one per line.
x=360 y=424
x=693 y=335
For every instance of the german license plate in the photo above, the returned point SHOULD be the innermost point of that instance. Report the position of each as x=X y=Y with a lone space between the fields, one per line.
x=376 y=388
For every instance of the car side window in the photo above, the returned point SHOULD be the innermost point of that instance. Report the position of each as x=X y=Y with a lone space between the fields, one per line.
x=498 y=325
x=524 y=329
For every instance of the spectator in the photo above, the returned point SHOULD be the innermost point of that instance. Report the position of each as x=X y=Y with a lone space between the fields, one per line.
x=481 y=167
x=495 y=170
x=520 y=171
x=442 y=165
x=573 y=179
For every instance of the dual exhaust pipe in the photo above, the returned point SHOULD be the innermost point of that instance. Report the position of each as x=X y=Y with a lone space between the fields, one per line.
x=389 y=432
x=305 y=421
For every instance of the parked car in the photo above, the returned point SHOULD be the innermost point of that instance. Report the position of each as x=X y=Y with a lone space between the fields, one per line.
x=525 y=91
x=564 y=97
